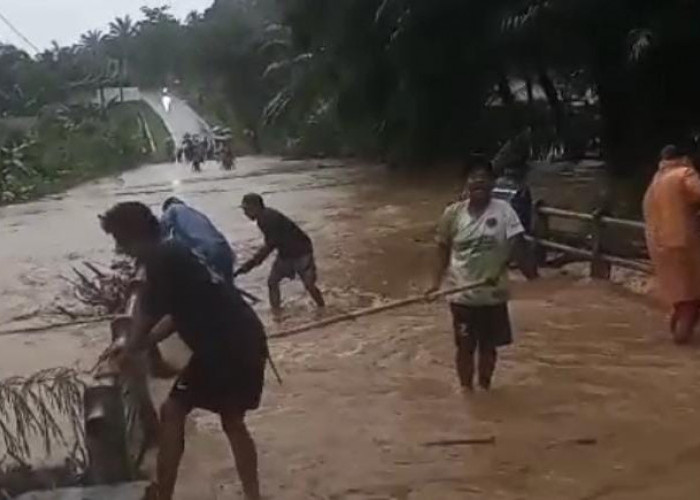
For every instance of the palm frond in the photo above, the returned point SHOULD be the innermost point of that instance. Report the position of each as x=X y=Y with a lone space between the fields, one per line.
x=288 y=64
x=103 y=292
x=278 y=105
x=640 y=42
x=526 y=16
x=35 y=410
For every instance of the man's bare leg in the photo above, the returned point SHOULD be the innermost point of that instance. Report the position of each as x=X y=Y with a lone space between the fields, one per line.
x=465 y=363
x=684 y=321
x=308 y=278
x=315 y=294
x=487 y=366
x=244 y=452
x=171 y=446
x=684 y=328
x=273 y=287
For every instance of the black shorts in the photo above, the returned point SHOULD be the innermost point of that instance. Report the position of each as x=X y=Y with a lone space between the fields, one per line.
x=481 y=326
x=304 y=267
x=219 y=385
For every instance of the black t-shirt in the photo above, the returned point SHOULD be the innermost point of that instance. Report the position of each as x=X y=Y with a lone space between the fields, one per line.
x=210 y=315
x=284 y=235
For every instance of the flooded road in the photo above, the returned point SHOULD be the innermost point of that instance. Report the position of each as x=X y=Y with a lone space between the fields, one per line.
x=591 y=403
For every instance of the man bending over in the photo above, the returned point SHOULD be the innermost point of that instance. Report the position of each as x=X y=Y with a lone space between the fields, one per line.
x=226 y=371
x=295 y=253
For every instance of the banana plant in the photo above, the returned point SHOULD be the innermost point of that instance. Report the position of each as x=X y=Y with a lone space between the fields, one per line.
x=12 y=166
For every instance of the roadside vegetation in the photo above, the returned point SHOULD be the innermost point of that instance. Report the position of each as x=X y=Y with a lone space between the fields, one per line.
x=71 y=144
x=404 y=81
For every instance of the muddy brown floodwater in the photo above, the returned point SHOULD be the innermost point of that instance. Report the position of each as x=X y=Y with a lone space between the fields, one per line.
x=591 y=403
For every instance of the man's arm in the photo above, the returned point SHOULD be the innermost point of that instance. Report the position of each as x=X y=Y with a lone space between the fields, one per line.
x=141 y=322
x=691 y=183
x=442 y=261
x=148 y=310
x=167 y=223
x=162 y=329
x=444 y=237
x=518 y=247
x=256 y=260
x=521 y=254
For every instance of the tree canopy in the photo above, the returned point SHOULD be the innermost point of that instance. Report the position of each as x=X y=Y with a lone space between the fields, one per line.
x=406 y=80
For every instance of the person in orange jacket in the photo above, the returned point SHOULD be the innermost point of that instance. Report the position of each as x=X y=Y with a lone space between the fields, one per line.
x=671 y=207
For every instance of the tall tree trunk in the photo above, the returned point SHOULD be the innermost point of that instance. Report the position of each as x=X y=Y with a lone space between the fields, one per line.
x=508 y=99
x=122 y=77
x=553 y=99
x=504 y=90
x=530 y=91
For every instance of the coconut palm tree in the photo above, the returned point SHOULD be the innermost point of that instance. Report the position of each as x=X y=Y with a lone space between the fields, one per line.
x=121 y=32
x=92 y=46
x=92 y=41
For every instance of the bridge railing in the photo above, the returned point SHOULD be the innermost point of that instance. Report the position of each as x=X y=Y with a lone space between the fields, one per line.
x=593 y=229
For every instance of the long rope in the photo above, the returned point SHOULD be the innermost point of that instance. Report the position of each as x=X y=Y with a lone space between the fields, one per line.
x=57 y=325
x=351 y=316
x=369 y=311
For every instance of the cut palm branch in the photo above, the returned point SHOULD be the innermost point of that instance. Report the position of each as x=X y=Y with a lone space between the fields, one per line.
x=44 y=409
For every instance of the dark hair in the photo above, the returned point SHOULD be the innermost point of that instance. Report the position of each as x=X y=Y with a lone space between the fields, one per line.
x=173 y=200
x=478 y=163
x=670 y=152
x=130 y=219
x=253 y=199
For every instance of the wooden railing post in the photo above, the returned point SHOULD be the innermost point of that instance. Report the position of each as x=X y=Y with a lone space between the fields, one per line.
x=600 y=268
x=540 y=232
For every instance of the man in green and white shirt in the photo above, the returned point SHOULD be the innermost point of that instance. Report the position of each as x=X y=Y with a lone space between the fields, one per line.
x=476 y=239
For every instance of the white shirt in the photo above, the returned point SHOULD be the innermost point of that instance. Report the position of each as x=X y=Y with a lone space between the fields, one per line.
x=480 y=250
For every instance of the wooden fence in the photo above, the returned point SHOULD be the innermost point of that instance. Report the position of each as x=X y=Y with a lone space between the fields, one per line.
x=594 y=250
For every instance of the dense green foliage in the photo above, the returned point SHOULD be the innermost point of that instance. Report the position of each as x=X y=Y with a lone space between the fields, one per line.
x=70 y=144
x=52 y=135
x=404 y=80
x=418 y=75
x=414 y=80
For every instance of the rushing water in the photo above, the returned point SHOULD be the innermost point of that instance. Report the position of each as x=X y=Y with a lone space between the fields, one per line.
x=592 y=402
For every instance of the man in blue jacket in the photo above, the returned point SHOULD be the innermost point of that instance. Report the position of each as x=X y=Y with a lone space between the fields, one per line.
x=195 y=231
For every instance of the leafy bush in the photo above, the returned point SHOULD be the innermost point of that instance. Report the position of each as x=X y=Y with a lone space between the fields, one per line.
x=71 y=144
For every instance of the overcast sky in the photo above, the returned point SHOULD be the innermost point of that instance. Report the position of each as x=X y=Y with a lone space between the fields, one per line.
x=43 y=21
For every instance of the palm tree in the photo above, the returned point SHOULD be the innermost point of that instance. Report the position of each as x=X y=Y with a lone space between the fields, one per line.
x=92 y=40
x=630 y=51
x=92 y=43
x=122 y=31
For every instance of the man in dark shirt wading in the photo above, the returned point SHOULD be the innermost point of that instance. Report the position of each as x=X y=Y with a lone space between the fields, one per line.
x=295 y=253
x=225 y=374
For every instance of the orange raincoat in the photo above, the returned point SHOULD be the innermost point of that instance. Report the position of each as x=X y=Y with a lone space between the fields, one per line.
x=671 y=209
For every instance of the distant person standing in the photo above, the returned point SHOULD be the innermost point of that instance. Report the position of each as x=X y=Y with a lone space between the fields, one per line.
x=166 y=100
x=511 y=165
x=295 y=253
x=476 y=239
x=671 y=207
x=512 y=187
x=170 y=149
